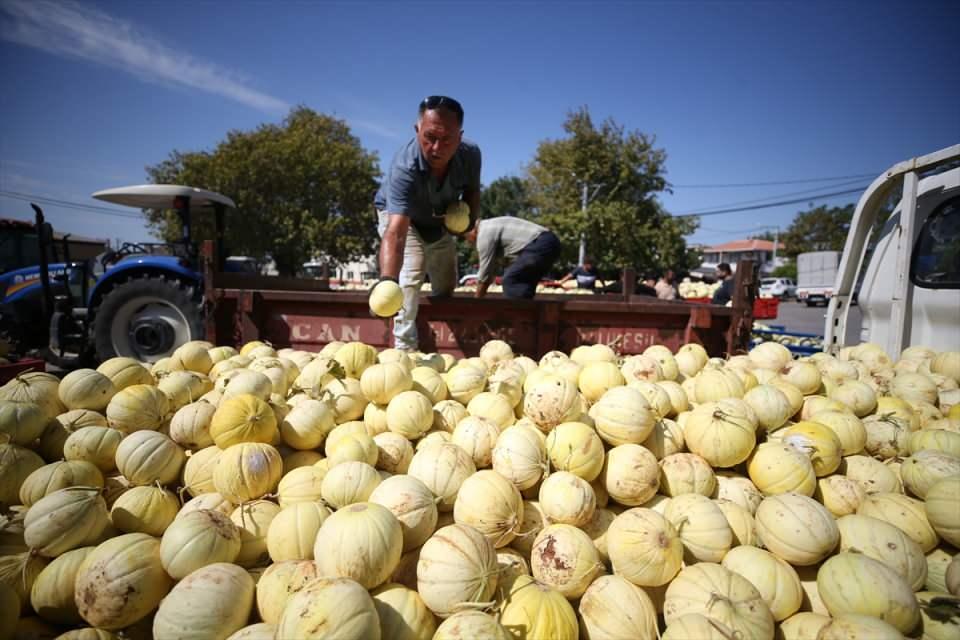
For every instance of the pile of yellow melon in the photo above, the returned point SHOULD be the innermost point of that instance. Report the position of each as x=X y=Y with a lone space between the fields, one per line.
x=354 y=494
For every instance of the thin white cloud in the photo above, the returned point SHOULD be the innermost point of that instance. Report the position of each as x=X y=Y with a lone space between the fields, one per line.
x=100 y=172
x=376 y=128
x=69 y=29
x=12 y=181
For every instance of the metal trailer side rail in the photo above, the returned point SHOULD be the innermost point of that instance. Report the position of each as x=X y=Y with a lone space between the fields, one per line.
x=299 y=313
x=854 y=249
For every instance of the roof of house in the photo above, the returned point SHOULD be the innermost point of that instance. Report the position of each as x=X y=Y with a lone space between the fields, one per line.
x=23 y=225
x=750 y=244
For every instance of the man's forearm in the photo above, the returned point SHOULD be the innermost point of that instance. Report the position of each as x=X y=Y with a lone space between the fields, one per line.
x=482 y=289
x=391 y=254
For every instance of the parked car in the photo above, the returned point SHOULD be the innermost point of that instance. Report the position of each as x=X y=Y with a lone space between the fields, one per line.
x=778 y=287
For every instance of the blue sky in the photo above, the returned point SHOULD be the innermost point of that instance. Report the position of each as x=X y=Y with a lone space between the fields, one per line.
x=745 y=92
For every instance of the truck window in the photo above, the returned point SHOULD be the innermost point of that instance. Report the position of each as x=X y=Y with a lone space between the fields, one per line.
x=936 y=256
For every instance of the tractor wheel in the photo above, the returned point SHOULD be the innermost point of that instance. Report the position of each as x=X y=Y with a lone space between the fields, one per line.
x=147 y=318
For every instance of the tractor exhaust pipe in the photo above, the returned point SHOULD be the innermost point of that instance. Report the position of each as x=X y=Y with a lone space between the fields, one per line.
x=44 y=238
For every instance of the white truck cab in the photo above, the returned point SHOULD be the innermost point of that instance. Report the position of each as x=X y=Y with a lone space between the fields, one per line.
x=910 y=288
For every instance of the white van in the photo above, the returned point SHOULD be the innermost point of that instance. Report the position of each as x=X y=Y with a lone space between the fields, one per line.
x=910 y=291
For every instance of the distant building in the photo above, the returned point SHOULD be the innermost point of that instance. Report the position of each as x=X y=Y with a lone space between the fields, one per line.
x=348 y=272
x=19 y=247
x=760 y=251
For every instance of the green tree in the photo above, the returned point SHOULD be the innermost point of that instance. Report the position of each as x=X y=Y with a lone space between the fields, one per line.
x=818 y=229
x=302 y=188
x=624 y=223
x=787 y=270
x=506 y=196
x=765 y=235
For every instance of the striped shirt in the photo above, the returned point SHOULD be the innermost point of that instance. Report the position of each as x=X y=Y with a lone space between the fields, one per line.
x=505 y=235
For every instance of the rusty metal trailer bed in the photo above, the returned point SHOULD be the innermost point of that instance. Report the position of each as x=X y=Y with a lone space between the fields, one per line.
x=299 y=313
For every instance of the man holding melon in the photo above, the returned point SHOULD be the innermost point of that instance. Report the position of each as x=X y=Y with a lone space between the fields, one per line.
x=430 y=191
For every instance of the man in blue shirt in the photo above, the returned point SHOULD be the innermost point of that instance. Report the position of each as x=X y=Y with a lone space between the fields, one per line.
x=586 y=275
x=432 y=171
x=724 y=294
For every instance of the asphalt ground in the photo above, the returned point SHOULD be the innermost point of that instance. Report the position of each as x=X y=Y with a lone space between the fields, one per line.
x=798 y=317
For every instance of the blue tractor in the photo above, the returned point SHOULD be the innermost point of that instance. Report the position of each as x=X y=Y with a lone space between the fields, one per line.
x=141 y=300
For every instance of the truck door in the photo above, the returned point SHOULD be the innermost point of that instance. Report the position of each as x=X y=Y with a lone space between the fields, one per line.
x=933 y=317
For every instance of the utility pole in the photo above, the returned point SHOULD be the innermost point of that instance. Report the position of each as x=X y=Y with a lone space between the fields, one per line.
x=776 y=241
x=585 y=198
x=583 y=236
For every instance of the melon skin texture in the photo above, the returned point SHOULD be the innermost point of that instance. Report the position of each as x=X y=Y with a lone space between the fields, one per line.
x=386 y=299
x=209 y=604
x=121 y=582
x=362 y=542
x=535 y=610
x=457 y=566
x=797 y=529
x=52 y=593
x=612 y=608
x=64 y=520
x=470 y=625
x=854 y=583
x=885 y=543
x=336 y=608
x=278 y=583
x=564 y=558
x=777 y=582
x=644 y=547
x=727 y=597
x=402 y=613
x=198 y=539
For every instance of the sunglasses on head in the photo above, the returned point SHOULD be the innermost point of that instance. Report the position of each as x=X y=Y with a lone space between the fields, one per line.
x=435 y=102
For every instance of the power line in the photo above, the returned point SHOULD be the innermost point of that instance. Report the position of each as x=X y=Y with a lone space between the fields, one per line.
x=822 y=196
x=735 y=231
x=780 y=195
x=774 y=183
x=26 y=197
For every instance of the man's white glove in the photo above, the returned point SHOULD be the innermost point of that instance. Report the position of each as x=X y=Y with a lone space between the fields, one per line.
x=386 y=298
x=457 y=218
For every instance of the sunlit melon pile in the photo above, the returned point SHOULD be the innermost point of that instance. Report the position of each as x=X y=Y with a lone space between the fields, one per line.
x=763 y=332
x=690 y=289
x=355 y=494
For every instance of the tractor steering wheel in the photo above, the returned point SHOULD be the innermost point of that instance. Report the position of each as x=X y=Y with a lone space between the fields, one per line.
x=127 y=248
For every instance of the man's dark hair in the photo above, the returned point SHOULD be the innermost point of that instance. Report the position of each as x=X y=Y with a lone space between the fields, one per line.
x=431 y=103
x=724 y=267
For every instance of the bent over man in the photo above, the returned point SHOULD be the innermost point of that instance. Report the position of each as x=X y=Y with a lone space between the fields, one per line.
x=533 y=250
x=435 y=169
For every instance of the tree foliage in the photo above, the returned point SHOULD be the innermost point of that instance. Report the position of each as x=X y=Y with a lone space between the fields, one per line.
x=818 y=229
x=506 y=196
x=624 y=223
x=302 y=188
x=786 y=270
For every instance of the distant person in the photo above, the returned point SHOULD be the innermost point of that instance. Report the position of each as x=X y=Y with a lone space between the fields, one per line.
x=724 y=294
x=532 y=250
x=586 y=275
x=644 y=286
x=647 y=286
x=431 y=171
x=665 y=287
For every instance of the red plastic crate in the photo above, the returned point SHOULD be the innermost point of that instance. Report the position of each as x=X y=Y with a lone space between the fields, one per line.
x=9 y=371
x=765 y=308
